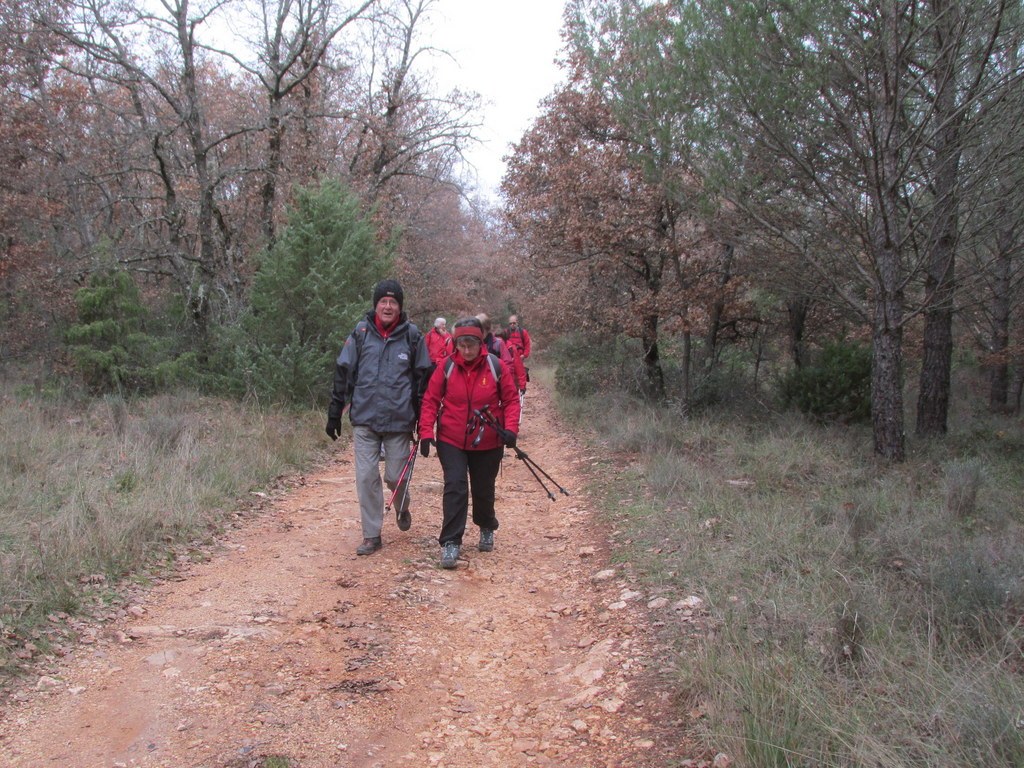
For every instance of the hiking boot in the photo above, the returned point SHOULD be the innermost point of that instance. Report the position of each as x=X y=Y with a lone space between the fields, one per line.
x=404 y=520
x=449 y=555
x=369 y=546
x=486 y=540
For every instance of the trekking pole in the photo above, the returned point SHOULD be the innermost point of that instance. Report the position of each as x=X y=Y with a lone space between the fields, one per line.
x=520 y=453
x=408 y=481
x=489 y=420
x=406 y=469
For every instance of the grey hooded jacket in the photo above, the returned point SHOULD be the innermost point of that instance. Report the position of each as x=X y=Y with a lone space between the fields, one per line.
x=382 y=379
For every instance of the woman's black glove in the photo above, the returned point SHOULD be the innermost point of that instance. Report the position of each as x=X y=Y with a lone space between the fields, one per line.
x=425 y=447
x=508 y=438
x=334 y=427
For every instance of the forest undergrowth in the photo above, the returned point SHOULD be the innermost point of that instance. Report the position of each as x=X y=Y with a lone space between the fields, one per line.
x=862 y=613
x=100 y=493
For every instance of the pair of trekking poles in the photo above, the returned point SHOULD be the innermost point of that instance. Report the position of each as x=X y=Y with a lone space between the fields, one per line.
x=486 y=419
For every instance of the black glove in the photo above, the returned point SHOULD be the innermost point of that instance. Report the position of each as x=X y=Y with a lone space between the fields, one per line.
x=508 y=438
x=334 y=427
x=425 y=447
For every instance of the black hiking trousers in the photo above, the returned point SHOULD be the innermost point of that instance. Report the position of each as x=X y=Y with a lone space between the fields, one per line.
x=467 y=472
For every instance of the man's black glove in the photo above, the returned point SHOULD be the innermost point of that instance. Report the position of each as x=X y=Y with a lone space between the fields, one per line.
x=334 y=427
x=508 y=438
x=425 y=447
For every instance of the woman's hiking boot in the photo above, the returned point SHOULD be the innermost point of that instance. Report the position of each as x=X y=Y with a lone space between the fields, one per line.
x=486 y=540
x=449 y=555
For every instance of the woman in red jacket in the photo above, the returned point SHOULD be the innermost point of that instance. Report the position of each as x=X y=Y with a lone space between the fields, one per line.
x=469 y=450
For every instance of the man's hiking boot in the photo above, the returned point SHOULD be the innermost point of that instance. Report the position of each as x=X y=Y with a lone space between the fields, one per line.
x=404 y=520
x=486 y=540
x=369 y=546
x=449 y=555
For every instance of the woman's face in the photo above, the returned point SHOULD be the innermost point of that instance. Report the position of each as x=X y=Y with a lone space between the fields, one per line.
x=469 y=348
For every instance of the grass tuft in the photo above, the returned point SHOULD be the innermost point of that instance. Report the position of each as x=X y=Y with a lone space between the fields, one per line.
x=963 y=479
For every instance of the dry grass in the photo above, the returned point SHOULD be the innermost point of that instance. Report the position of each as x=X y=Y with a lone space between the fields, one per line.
x=859 y=614
x=95 y=491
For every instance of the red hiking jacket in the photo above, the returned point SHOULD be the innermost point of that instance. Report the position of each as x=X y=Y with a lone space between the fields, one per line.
x=468 y=387
x=520 y=338
x=439 y=345
x=518 y=367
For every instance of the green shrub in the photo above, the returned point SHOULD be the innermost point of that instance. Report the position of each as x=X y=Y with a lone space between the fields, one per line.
x=307 y=295
x=834 y=387
x=118 y=345
x=589 y=364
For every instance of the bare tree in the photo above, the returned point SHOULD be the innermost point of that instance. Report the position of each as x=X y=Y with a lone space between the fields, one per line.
x=295 y=39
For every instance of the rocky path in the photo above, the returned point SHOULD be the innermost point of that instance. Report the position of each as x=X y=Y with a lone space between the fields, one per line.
x=285 y=649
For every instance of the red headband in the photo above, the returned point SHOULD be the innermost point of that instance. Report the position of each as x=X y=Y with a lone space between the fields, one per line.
x=469 y=330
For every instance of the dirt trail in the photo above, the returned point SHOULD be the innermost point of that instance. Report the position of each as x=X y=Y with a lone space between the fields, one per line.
x=284 y=643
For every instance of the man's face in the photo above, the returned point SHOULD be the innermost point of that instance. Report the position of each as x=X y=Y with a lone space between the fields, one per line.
x=387 y=310
x=513 y=321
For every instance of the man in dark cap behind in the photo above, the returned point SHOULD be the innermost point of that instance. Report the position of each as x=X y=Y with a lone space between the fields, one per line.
x=380 y=373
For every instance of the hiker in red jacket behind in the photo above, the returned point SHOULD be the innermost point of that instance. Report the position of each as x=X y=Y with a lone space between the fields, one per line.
x=439 y=341
x=470 y=452
x=518 y=368
x=518 y=337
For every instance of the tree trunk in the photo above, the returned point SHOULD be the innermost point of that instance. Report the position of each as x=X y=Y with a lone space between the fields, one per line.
x=654 y=378
x=275 y=128
x=887 y=389
x=887 y=351
x=1017 y=388
x=940 y=275
x=999 y=338
x=687 y=356
x=797 y=310
x=717 y=308
x=937 y=357
x=885 y=240
x=887 y=348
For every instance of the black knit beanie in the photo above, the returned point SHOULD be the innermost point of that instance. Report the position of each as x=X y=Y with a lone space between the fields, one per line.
x=388 y=288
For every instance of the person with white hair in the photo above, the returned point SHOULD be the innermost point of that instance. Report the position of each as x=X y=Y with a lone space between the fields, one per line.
x=439 y=342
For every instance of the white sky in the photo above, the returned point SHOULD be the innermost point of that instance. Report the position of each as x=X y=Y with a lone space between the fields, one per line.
x=504 y=51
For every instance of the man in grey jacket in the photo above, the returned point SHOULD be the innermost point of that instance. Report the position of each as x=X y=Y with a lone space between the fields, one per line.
x=380 y=373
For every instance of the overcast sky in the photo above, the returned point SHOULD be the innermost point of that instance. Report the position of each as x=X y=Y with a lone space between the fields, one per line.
x=505 y=51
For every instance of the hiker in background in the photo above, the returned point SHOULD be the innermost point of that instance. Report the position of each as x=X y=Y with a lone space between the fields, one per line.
x=470 y=452
x=439 y=341
x=518 y=367
x=518 y=340
x=380 y=373
x=492 y=343
x=518 y=337
x=497 y=347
